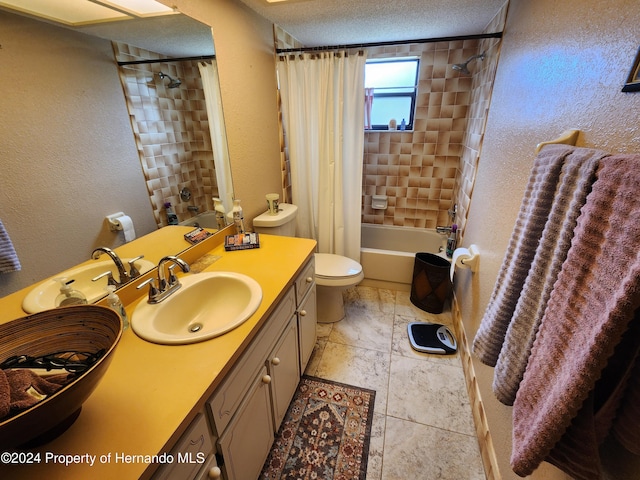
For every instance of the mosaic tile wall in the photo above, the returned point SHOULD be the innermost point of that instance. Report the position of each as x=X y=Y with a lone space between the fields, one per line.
x=171 y=130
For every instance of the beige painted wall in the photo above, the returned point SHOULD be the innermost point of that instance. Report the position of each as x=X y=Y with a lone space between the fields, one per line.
x=562 y=65
x=68 y=154
x=245 y=56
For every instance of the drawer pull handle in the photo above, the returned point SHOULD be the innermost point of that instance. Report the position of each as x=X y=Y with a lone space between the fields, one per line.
x=266 y=379
x=275 y=361
x=303 y=313
x=215 y=472
x=309 y=279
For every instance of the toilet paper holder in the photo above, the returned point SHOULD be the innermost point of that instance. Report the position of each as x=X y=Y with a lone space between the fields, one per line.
x=114 y=222
x=471 y=261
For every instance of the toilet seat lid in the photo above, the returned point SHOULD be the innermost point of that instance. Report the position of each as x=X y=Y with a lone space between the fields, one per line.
x=329 y=265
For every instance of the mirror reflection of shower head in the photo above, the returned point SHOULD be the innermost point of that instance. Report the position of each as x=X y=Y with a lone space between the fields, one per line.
x=463 y=67
x=173 y=82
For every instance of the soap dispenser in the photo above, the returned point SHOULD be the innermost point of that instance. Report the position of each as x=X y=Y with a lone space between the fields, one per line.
x=113 y=302
x=69 y=296
x=220 y=213
x=238 y=218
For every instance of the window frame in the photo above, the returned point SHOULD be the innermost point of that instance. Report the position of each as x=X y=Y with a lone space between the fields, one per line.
x=379 y=92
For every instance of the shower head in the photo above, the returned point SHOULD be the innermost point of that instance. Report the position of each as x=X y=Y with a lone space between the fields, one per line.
x=173 y=82
x=462 y=67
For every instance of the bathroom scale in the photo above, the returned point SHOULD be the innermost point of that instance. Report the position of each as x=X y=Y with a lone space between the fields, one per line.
x=432 y=338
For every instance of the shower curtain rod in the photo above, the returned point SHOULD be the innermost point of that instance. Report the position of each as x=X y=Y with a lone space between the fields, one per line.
x=391 y=43
x=168 y=60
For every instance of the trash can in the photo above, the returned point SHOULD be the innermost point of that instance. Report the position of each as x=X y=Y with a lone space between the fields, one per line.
x=431 y=285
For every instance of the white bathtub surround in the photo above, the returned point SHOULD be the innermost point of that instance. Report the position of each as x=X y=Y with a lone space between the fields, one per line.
x=388 y=253
x=326 y=163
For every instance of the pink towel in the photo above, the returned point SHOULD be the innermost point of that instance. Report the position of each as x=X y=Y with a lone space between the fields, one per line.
x=532 y=218
x=588 y=325
x=578 y=175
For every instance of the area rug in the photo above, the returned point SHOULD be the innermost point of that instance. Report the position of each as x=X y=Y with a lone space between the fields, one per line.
x=325 y=433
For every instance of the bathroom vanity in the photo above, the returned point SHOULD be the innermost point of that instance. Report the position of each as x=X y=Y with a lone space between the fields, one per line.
x=203 y=410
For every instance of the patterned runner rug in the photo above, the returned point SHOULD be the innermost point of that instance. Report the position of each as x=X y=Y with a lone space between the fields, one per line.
x=325 y=433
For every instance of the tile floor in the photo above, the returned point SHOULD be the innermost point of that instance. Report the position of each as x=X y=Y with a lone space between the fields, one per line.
x=422 y=428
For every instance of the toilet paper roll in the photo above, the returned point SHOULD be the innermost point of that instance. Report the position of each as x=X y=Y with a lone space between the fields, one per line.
x=459 y=256
x=127 y=226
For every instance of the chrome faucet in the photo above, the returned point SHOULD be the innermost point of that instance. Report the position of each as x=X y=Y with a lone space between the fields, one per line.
x=124 y=276
x=164 y=287
x=443 y=230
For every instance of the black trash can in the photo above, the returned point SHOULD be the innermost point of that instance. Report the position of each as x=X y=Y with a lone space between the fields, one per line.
x=431 y=284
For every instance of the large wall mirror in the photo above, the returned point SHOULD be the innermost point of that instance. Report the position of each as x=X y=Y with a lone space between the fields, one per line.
x=73 y=151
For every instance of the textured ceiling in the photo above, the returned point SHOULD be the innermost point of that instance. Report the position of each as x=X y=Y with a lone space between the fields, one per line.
x=341 y=22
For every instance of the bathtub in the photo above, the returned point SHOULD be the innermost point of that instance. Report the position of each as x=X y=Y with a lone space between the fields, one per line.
x=204 y=220
x=388 y=253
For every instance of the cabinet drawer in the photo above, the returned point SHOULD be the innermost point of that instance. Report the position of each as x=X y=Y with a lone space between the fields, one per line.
x=229 y=394
x=192 y=450
x=304 y=281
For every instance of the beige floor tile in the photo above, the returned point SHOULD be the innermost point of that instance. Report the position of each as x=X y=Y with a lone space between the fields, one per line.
x=416 y=451
x=359 y=367
x=429 y=393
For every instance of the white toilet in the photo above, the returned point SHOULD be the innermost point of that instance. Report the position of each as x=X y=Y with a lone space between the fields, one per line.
x=334 y=273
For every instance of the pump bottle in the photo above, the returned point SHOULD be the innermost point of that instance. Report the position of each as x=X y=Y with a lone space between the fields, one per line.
x=238 y=218
x=220 y=213
x=69 y=296
x=114 y=302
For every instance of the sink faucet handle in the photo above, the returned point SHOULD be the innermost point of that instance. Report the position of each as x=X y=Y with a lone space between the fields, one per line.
x=153 y=290
x=110 y=279
x=172 y=276
x=133 y=270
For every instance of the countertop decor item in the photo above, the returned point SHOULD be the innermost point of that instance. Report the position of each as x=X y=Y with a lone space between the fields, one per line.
x=90 y=333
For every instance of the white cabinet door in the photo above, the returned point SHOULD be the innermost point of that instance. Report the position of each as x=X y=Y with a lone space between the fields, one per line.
x=247 y=439
x=307 y=319
x=284 y=370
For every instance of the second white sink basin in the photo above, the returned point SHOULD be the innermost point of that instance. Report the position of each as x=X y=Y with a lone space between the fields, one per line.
x=43 y=295
x=207 y=305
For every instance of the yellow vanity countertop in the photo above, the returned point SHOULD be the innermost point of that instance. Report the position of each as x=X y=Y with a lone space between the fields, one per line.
x=151 y=393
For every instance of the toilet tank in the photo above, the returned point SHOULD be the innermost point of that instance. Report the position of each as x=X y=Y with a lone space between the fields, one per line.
x=284 y=223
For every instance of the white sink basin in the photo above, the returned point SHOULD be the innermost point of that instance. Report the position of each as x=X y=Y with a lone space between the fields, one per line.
x=43 y=295
x=207 y=305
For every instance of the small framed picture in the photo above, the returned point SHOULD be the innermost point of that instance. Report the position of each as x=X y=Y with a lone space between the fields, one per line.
x=633 y=81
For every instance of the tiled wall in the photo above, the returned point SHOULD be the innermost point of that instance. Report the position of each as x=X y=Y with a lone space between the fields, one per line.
x=171 y=130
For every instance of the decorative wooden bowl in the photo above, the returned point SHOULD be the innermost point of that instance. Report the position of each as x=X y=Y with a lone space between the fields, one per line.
x=83 y=328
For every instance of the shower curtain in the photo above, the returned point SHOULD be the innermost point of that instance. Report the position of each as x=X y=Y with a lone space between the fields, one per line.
x=323 y=115
x=213 y=101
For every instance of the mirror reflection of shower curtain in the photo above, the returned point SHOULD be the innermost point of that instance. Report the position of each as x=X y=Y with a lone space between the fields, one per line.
x=323 y=116
x=213 y=100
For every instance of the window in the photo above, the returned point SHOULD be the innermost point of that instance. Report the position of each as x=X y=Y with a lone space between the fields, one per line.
x=394 y=84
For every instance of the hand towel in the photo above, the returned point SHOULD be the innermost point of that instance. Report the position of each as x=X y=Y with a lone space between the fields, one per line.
x=590 y=310
x=578 y=174
x=532 y=217
x=9 y=261
x=21 y=389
